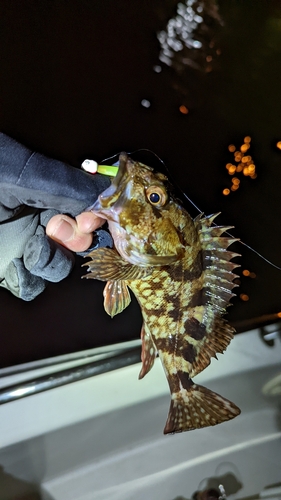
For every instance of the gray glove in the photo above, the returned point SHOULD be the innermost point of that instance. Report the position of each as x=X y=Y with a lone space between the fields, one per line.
x=33 y=188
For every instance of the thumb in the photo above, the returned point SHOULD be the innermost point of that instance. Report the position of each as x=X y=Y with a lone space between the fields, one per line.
x=64 y=230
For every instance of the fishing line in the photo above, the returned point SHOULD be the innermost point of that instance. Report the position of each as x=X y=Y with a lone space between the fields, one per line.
x=192 y=203
x=240 y=241
x=113 y=156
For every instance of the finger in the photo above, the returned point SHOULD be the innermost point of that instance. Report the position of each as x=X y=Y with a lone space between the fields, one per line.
x=87 y=222
x=65 y=231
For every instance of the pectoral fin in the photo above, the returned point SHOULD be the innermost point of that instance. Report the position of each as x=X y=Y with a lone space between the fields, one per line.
x=107 y=265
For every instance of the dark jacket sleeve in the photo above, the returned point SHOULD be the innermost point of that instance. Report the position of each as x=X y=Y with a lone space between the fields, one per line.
x=30 y=178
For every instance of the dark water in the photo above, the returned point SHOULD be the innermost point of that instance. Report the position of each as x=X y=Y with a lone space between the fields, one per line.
x=91 y=78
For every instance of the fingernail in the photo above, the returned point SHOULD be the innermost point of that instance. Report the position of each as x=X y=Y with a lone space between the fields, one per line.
x=64 y=231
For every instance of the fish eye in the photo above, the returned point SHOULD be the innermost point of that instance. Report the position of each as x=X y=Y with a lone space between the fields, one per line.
x=156 y=196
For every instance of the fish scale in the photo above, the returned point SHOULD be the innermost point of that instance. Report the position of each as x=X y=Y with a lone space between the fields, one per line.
x=181 y=273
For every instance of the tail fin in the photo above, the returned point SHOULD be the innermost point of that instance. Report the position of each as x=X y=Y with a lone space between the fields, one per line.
x=198 y=407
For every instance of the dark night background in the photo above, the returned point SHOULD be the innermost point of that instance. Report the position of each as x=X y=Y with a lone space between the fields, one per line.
x=73 y=77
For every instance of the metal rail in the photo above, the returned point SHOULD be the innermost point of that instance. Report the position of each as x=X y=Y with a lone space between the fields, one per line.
x=68 y=376
x=269 y=328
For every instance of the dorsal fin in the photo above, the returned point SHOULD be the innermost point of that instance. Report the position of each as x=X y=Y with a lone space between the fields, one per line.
x=218 y=270
x=216 y=292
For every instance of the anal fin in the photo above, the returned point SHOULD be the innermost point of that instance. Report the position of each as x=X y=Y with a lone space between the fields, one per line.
x=148 y=352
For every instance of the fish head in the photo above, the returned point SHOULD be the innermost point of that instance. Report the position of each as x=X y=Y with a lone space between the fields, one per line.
x=143 y=218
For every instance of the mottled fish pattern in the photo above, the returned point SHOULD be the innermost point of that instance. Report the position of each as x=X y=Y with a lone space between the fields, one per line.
x=181 y=273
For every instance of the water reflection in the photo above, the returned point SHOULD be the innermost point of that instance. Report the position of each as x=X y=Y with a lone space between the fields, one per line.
x=242 y=163
x=190 y=37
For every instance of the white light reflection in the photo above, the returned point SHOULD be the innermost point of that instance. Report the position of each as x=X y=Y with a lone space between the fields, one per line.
x=22 y=392
x=157 y=68
x=192 y=28
x=145 y=103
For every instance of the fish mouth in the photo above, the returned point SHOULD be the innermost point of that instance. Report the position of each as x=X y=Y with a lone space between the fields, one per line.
x=105 y=213
x=122 y=169
x=110 y=202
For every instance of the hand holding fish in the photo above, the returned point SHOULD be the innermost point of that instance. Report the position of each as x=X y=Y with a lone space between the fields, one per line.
x=35 y=191
x=181 y=273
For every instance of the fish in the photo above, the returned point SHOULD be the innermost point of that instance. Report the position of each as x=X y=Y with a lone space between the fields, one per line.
x=180 y=271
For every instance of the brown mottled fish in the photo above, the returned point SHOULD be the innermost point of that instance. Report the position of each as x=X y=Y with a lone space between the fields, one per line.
x=179 y=269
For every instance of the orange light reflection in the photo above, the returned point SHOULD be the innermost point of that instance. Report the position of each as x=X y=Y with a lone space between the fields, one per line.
x=183 y=109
